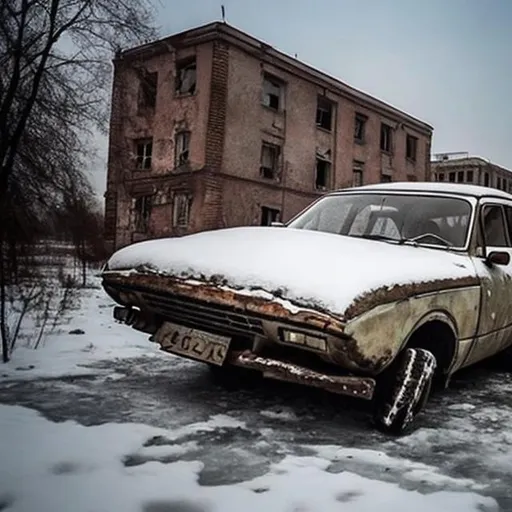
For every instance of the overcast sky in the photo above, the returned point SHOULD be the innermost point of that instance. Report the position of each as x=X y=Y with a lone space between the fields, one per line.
x=447 y=62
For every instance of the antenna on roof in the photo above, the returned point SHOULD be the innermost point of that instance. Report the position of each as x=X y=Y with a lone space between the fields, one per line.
x=223 y=11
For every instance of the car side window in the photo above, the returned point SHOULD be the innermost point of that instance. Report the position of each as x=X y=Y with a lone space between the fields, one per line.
x=494 y=226
x=508 y=213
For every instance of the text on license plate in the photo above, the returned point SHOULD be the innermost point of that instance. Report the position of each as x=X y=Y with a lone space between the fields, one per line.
x=200 y=345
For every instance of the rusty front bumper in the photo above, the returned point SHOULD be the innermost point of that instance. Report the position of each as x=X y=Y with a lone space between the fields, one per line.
x=361 y=387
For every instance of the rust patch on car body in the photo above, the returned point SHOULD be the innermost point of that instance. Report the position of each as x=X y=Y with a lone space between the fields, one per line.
x=272 y=307
x=361 y=387
x=396 y=293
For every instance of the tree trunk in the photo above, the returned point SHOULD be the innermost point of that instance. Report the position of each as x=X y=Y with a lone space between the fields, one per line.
x=3 y=298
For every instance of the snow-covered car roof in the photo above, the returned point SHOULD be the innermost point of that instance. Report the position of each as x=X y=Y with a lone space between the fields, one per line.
x=435 y=186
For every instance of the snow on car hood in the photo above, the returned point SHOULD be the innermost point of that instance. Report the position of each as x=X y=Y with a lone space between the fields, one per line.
x=305 y=267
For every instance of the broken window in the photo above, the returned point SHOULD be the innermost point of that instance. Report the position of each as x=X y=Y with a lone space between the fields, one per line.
x=272 y=93
x=359 y=127
x=182 y=151
x=440 y=176
x=323 y=173
x=486 y=179
x=324 y=113
x=144 y=150
x=386 y=138
x=269 y=215
x=186 y=76
x=142 y=213
x=470 y=177
x=181 y=210
x=147 y=89
x=460 y=176
x=411 y=144
x=451 y=177
x=269 y=165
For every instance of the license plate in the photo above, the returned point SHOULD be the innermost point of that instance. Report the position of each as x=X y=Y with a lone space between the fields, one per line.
x=193 y=343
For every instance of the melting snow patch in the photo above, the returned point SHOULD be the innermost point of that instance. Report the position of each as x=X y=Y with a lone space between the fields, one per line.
x=66 y=466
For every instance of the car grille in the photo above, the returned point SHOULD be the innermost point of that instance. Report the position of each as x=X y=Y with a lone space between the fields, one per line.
x=201 y=315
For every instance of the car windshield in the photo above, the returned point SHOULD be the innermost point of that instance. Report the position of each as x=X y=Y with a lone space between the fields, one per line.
x=425 y=220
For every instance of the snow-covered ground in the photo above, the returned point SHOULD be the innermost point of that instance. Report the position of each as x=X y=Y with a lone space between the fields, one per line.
x=104 y=421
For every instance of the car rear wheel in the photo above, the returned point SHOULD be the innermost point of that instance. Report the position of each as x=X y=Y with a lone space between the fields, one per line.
x=404 y=390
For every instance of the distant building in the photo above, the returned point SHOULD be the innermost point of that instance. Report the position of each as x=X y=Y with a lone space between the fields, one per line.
x=213 y=128
x=455 y=168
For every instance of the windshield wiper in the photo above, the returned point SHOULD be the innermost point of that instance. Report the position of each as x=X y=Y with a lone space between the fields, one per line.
x=416 y=239
x=376 y=236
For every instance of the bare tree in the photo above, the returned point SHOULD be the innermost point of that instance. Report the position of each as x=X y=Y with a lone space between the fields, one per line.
x=54 y=71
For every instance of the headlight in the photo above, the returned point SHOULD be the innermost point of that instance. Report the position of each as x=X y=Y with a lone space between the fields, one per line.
x=301 y=338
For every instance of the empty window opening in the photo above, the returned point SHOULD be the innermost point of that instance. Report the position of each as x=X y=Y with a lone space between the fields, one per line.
x=144 y=154
x=186 y=76
x=272 y=93
x=440 y=176
x=359 y=127
x=182 y=145
x=324 y=113
x=486 y=179
x=411 y=144
x=498 y=182
x=385 y=178
x=323 y=173
x=460 y=177
x=181 y=210
x=147 y=89
x=142 y=213
x=469 y=177
x=269 y=165
x=451 y=177
x=386 y=136
x=269 y=215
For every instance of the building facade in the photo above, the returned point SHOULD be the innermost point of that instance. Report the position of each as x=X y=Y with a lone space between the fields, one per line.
x=213 y=128
x=454 y=168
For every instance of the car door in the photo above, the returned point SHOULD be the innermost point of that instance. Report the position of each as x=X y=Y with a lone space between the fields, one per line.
x=494 y=331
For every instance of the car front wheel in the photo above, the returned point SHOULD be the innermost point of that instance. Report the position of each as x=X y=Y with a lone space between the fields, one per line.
x=404 y=390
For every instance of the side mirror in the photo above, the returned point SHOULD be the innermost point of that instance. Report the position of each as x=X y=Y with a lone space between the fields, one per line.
x=498 y=258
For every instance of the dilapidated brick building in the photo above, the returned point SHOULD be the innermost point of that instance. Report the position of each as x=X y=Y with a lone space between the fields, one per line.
x=213 y=128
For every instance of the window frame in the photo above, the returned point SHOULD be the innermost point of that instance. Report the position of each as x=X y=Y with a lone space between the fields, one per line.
x=362 y=119
x=180 y=66
x=181 y=135
x=386 y=135
x=276 y=160
x=141 y=158
x=324 y=104
x=275 y=82
x=142 y=215
x=177 y=197
x=411 y=139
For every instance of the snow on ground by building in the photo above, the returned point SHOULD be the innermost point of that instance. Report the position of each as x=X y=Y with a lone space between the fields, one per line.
x=65 y=466
x=88 y=336
x=58 y=467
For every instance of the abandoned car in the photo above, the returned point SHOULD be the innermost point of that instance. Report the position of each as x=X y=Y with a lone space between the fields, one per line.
x=373 y=292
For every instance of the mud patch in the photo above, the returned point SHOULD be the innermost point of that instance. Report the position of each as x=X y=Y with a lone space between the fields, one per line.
x=346 y=496
x=65 y=468
x=173 y=506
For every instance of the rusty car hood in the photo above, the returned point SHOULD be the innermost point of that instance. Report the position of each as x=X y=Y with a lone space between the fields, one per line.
x=316 y=270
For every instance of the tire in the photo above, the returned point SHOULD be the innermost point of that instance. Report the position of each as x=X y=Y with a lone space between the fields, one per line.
x=405 y=391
